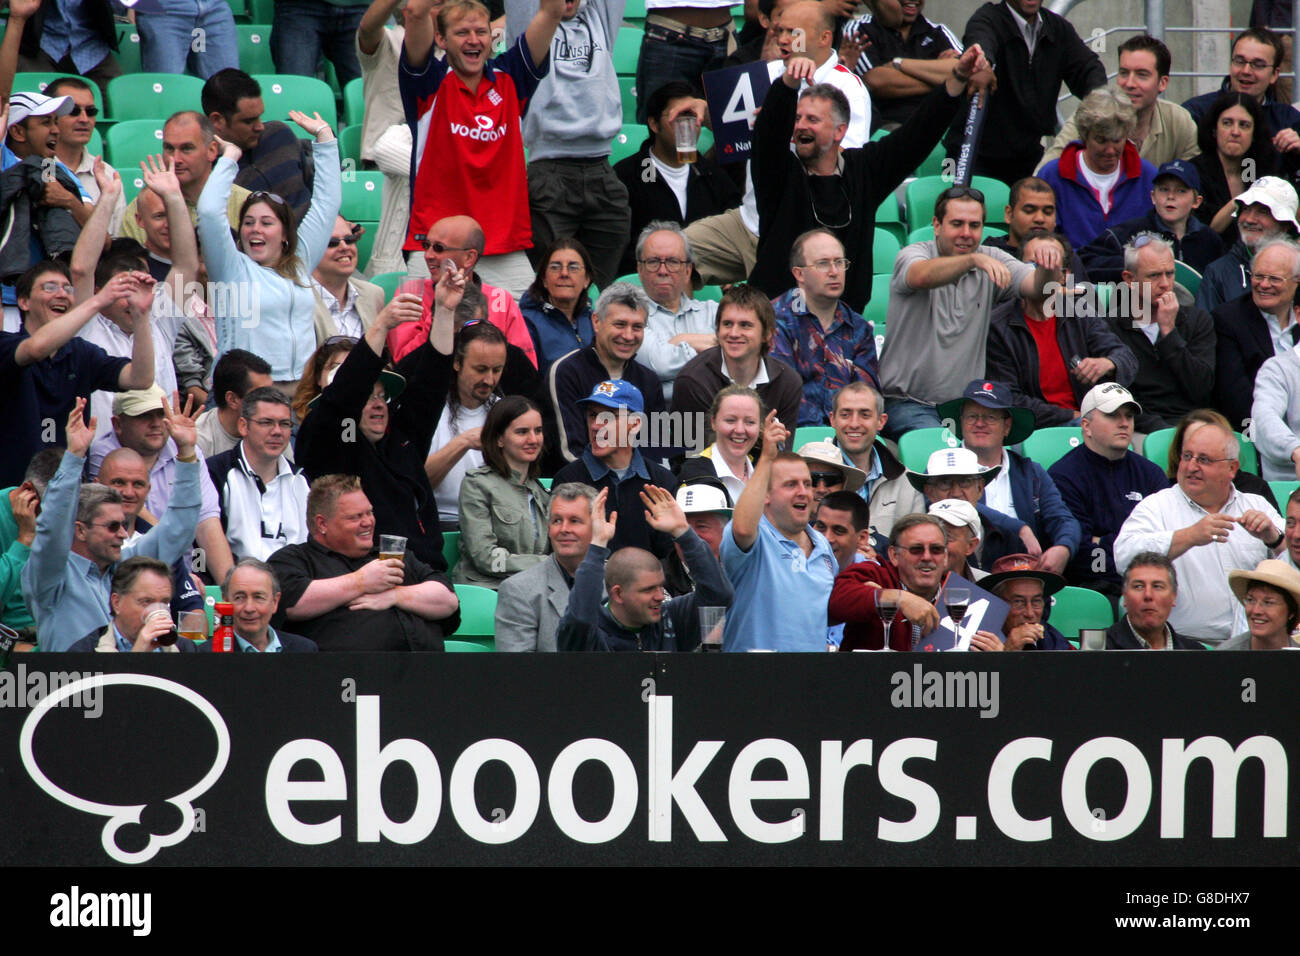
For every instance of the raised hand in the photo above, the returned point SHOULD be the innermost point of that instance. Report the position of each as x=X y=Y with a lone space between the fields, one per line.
x=26 y=505
x=228 y=149
x=312 y=124
x=78 y=434
x=602 y=527
x=798 y=69
x=405 y=307
x=160 y=176
x=662 y=512
x=106 y=178
x=140 y=299
x=450 y=288
x=774 y=435
x=180 y=423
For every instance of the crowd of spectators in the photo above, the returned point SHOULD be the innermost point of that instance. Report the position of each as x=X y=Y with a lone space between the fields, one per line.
x=585 y=396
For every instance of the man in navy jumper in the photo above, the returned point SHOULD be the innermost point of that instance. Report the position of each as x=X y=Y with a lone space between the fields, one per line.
x=615 y=412
x=1101 y=480
x=637 y=617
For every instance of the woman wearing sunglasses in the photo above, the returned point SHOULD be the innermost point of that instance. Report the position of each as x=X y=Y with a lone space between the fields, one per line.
x=264 y=301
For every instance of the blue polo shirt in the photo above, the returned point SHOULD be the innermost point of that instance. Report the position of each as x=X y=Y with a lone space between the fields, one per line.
x=781 y=595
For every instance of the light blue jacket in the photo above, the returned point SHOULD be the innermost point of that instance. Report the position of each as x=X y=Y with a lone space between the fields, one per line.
x=256 y=308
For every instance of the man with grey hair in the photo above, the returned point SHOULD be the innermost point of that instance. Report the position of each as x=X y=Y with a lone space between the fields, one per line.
x=531 y=603
x=1150 y=593
x=81 y=533
x=678 y=327
x=1255 y=327
x=619 y=327
x=1173 y=344
x=1100 y=179
x=253 y=589
x=1206 y=527
x=1265 y=211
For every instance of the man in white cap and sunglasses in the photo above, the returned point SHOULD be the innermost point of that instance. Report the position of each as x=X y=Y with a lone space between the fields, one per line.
x=829 y=470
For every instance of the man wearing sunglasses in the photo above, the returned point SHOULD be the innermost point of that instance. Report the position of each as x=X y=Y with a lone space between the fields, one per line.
x=81 y=536
x=75 y=130
x=345 y=303
x=912 y=578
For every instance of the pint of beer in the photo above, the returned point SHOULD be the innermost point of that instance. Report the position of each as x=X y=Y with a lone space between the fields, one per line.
x=194 y=625
x=686 y=131
x=392 y=546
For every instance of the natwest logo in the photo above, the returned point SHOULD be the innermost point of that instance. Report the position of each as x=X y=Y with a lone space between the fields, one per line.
x=483 y=130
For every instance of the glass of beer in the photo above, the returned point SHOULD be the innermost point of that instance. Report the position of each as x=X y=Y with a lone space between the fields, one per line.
x=165 y=611
x=686 y=131
x=392 y=546
x=193 y=625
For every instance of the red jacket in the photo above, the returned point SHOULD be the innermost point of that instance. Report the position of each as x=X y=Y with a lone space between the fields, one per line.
x=503 y=312
x=853 y=603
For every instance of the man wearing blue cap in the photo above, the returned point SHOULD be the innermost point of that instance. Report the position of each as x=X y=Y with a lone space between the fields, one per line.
x=1175 y=192
x=614 y=413
x=987 y=422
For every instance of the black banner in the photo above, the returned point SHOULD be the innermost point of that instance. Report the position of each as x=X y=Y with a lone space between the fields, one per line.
x=956 y=759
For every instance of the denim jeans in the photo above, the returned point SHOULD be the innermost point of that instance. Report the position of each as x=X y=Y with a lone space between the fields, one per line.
x=905 y=415
x=169 y=43
x=666 y=56
x=303 y=29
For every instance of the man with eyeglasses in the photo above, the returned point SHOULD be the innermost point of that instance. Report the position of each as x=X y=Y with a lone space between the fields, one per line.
x=1256 y=327
x=1206 y=527
x=75 y=131
x=956 y=474
x=941 y=298
x=818 y=334
x=263 y=497
x=1253 y=69
x=988 y=424
x=345 y=303
x=804 y=176
x=81 y=536
x=44 y=367
x=912 y=579
x=236 y=374
x=1020 y=581
x=829 y=471
x=1265 y=211
x=678 y=327
x=457 y=242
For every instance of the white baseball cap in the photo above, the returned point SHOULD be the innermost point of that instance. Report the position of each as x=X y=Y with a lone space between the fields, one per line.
x=959 y=514
x=23 y=105
x=1108 y=397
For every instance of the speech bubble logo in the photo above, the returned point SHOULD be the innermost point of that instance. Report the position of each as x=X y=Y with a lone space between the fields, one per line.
x=120 y=816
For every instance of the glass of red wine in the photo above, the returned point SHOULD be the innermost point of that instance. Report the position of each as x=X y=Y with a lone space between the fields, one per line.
x=957 y=600
x=887 y=609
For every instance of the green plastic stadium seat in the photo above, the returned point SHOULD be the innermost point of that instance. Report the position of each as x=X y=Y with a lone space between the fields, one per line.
x=1075 y=608
x=1047 y=445
x=627 y=142
x=627 y=94
x=478 y=608
x=890 y=219
x=128 y=49
x=627 y=47
x=1282 y=491
x=152 y=95
x=255 y=48
x=354 y=102
x=545 y=482
x=878 y=307
x=350 y=145
x=807 y=433
x=450 y=544
x=634 y=11
x=921 y=194
x=363 y=196
x=883 y=252
x=916 y=446
x=282 y=92
x=1187 y=277
x=37 y=82
x=1156 y=447
x=366 y=242
x=261 y=11
x=389 y=282
x=463 y=647
x=128 y=142
x=710 y=293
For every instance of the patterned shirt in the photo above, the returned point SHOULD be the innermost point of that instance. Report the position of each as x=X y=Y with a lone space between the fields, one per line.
x=825 y=360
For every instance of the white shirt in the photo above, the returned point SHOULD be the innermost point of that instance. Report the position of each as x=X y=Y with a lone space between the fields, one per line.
x=858 y=133
x=1282 y=340
x=1206 y=608
x=762 y=378
x=676 y=179
x=1103 y=183
x=692 y=316
x=109 y=336
x=260 y=521
x=447 y=494
x=734 y=483
x=1031 y=36
x=346 y=317
x=997 y=493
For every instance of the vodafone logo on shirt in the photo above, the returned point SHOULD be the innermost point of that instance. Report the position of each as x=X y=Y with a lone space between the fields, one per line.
x=483 y=130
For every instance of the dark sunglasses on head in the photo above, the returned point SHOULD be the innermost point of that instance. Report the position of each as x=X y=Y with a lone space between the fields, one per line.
x=263 y=194
x=963 y=192
x=340 y=339
x=91 y=111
